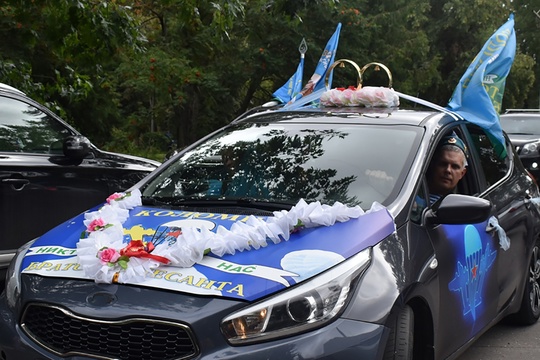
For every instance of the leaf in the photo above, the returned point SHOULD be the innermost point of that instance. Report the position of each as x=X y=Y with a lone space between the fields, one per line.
x=122 y=264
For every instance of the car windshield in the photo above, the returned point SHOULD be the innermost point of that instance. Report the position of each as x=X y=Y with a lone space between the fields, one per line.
x=286 y=162
x=521 y=124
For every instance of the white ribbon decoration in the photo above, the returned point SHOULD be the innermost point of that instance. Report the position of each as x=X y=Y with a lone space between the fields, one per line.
x=191 y=245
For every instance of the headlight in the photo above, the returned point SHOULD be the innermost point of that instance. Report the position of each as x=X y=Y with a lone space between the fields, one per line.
x=302 y=308
x=530 y=149
x=13 y=276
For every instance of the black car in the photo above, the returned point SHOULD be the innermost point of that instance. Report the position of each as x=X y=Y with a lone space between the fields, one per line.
x=49 y=172
x=290 y=234
x=523 y=128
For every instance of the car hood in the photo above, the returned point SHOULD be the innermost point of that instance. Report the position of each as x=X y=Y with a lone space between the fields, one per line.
x=246 y=275
x=129 y=160
x=520 y=140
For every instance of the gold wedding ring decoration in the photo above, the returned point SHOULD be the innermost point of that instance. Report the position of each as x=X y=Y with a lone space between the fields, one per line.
x=360 y=71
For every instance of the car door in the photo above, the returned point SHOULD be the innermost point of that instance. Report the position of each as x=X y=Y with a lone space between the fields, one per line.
x=467 y=270
x=506 y=187
x=39 y=187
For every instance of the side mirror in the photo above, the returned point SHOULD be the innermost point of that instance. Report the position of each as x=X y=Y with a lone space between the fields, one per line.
x=76 y=147
x=460 y=209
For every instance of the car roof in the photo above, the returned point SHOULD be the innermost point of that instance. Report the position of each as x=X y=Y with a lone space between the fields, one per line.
x=8 y=88
x=403 y=115
x=518 y=111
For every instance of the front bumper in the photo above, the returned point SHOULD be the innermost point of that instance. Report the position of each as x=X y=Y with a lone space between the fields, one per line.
x=341 y=339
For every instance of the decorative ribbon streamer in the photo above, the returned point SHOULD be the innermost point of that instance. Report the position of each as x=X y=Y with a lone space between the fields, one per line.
x=137 y=248
x=504 y=241
x=104 y=256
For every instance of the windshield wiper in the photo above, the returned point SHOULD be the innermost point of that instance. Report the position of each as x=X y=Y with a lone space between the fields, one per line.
x=170 y=201
x=153 y=201
x=247 y=202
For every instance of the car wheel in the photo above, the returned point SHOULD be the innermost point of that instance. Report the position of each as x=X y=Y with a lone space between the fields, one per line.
x=530 y=304
x=401 y=337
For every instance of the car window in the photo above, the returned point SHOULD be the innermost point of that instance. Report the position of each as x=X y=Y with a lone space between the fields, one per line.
x=352 y=164
x=25 y=128
x=466 y=185
x=522 y=124
x=494 y=167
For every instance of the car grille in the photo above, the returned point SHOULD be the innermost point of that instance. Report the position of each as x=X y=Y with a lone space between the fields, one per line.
x=65 y=333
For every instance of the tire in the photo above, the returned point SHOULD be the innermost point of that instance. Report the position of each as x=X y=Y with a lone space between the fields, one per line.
x=401 y=338
x=529 y=312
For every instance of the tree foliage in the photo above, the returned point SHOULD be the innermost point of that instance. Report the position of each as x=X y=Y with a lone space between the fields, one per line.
x=134 y=75
x=62 y=52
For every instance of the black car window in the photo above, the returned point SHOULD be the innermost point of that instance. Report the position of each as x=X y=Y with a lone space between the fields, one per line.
x=494 y=167
x=25 y=128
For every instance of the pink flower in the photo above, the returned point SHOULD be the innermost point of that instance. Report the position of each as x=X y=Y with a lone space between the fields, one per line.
x=348 y=97
x=336 y=97
x=113 y=197
x=325 y=99
x=96 y=225
x=378 y=97
x=108 y=255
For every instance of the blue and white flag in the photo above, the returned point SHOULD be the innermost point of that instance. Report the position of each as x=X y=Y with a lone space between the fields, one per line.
x=316 y=81
x=293 y=86
x=478 y=96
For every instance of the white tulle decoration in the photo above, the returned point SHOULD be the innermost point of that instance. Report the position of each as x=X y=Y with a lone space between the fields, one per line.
x=105 y=232
x=368 y=96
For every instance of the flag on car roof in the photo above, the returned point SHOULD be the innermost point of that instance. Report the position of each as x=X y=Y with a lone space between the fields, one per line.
x=293 y=86
x=316 y=82
x=478 y=96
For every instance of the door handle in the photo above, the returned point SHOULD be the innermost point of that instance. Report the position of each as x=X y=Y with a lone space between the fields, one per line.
x=17 y=184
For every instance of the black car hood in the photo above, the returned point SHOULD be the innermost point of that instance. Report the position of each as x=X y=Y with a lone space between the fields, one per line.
x=127 y=159
x=520 y=140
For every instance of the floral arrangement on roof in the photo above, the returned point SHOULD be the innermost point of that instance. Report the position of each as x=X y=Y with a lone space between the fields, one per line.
x=105 y=257
x=368 y=96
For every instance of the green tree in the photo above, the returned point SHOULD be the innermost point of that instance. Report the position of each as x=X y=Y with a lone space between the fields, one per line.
x=177 y=87
x=62 y=52
x=460 y=28
x=525 y=85
x=133 y=74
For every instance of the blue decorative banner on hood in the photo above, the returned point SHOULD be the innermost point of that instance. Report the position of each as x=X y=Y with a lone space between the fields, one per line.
x=246 y=275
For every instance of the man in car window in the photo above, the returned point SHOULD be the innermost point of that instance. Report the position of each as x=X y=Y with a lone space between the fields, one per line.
x=448 y=166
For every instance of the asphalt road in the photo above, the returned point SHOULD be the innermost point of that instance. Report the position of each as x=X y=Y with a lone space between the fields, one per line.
x=508 y=342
